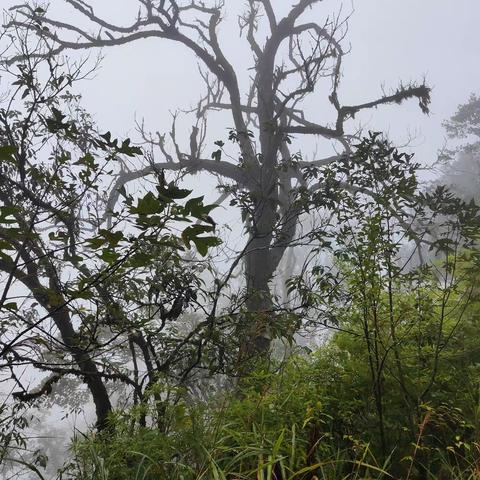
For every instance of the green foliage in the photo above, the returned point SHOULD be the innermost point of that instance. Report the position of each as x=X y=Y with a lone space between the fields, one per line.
x=83 y=276
x=312 y=416
x=393 y=393
x=276 y=429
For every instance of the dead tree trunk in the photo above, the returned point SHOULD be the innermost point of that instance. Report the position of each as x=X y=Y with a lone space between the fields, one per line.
x=272 y=106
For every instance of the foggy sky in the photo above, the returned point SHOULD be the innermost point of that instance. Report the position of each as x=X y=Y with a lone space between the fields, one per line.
x=391 y=41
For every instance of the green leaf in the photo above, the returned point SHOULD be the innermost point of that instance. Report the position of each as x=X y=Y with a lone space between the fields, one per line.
x=217 y=155
x=84 y=294
x=7 y=153
x=10 y=306
x=105 y=236
x=88 y=160
x=148 y=205
x=172 y=192
x=197 y=209
x=96 y=242
x=109 y=256
x=128 y=149
x=111 y=237
x=204 y=243
x=107 y=137
x=4 y=245
x=139 y=259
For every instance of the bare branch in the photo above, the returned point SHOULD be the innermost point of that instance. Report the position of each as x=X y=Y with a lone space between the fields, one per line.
x=421 y=92
x=270 y=14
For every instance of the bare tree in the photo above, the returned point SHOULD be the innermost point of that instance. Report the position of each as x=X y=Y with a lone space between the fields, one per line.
x=290 y=61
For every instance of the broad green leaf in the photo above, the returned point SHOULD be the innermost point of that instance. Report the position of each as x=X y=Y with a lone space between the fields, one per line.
x=7 y=153
x=204 y=243
x=148 y=205
x=11 y=306
x=109 y=256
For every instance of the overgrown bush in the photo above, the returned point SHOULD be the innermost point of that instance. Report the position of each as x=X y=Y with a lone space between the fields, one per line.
x=311 y=417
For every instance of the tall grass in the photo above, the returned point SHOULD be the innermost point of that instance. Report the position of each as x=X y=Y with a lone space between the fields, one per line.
x=276 y=431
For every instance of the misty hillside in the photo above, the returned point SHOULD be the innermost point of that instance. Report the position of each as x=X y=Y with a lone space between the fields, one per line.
x=239 y=240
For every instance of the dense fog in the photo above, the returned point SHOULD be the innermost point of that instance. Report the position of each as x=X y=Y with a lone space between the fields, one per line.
x=219 y=218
